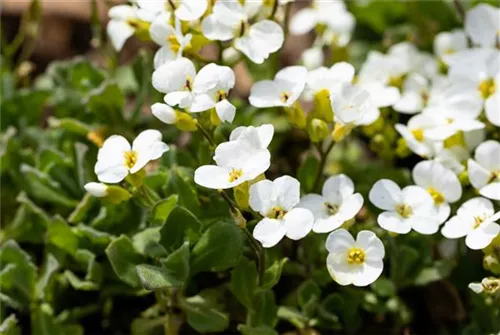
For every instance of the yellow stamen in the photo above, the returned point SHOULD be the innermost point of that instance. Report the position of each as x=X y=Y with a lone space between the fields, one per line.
x=276 y=213
x=130 y=158
x=332 y=209
x=418 y=134
x=235 y=174
x=486 y=88
x=437 y=196
x=284 y=97
x=175 y=46
x=355 y=256
x=188 y=86
x=477 y=221
x=404 y=210
x=396 y=81
x=221 y=95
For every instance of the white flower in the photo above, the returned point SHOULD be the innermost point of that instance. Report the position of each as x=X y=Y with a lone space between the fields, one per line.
x=448 y=43
x=441 y=183
x=211 y=88
x=120 y=27
x=484 y=170
x=176 y=78
x=284 y=90
x=406 y=209
x=416 y=136
x=164 y=113
x=476 y=287
x=99 y=190
x=354 y=262
x=339 y=22
x=313 y=58
x=276 y=201
x=330 y=79
x=337 y=203
x=351 y=105
x=489 y=285
x=475 y=219
x=171 y=40
x=481 y=24
x=116 y=158
x=229 y=20
x=239 y=160
x=261 y=141
x=184 y=10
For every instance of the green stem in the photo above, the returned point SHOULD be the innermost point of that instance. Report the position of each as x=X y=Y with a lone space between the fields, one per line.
x=259 y=252
x=286 y=22
x=205 y=134
x=322 y=163
x=273 y=11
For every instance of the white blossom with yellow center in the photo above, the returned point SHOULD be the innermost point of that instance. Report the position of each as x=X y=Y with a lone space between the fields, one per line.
x=116 y=158
x=441 y=183
x=476 y=220
x=415 y=134
x=277 y=202
x=357 y=262
x=484 y=169
x=404 y=209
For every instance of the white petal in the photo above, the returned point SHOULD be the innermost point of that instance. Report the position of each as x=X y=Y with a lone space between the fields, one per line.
x=225 y=110
x=409 y=103
x=481 y=237
x=121 y=12
x=371 y=270
x=213 y=177
x=191 y=10
x=488 y=155
x=315 y=203
x=492 y=191
x=172 y=76
x=97 y=189
x=160 y=29
x=481 y=24
x=214 y=30
x=340 y=271
x=478 y=175
x=269 y=232
x=261 y=196
x=303 y=21
x=339 y=183
x=164 y=113
x=424 y=224
x=287 y=191
x=148 y=146
x=264 y=94
x=110 y=171
x=201 y=102
x=476 y=287
x=342 y=72
x=119 y=32
x=492 y=108
x=417 y=198
x=457 y=227
x=351 y=206
x=443 y=212
x=392 y=222
x=371 y=244
x=298 y=223
x=385 y=194
x=164 y=55
x=267 y=36
x=264 y=132
x=339 y=241
x=328 y=223
x=213 y=76
x=433 y=174
x=182 y=98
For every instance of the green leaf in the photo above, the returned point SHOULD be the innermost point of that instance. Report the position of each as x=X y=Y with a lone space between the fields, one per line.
x=79 y=284
x=181 y=225
x=439 y=270
x=106 y=102
x=124 y=258
x=273 y=273
x=219 y=248
x=60 y=234
x=293 y=316
x=177 y=184
x=384 y=287
x=81 y=209
x=203 y=316
x=177 y=263
x=244 y=282
x=43 y=321
x=306 y=291
x=9 y=326
x=262 y=330
x=327 y=311
x=163 y=208
x=154 y=277
x=147 y=242
x=404 y=264
x=264 y=312
x=306 y=173
x=50 y=268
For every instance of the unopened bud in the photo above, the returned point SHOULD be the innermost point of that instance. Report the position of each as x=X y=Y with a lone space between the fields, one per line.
x=318 y=130
x=340 y=131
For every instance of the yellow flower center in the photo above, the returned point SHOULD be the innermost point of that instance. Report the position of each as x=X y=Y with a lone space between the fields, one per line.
x=268 y=3
x=478 y=220
x=130 y=158
x=284 y=97
x=331 y=209
x=495 y=175
x=355 y=256
x=418 y=134
x=188 y=84
x=404 y=210
x=235 y=174
x=437 y=196
x=396 y=81
x=276 y=213
x=486 y=88
x=220 y=95
x=174 y=43
x=449 y=52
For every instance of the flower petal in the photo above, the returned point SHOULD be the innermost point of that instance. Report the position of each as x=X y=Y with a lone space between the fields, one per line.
x=298 y=223
x=269 y=232
x=385 y=194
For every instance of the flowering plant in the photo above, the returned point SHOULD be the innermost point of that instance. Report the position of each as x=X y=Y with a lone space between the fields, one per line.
x=353 y=187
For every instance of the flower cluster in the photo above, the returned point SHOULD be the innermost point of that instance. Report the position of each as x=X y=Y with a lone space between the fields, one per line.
x=446 y=103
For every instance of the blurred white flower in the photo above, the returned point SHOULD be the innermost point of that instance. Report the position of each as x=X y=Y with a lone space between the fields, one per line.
x=441 y=183
x=475 y=219
x=416 y=135
x=184 y=10
x=448 y=43
x=98 y=190
x=357 y=262
x=333 y=14
x=121 y=24
x=351 y=105
x=170 y=39
x=239 y=160
x=283 y=90
x=261 y=141
x=484 y=169
x=337 y=203
x=230 y=20
x=481 y=24
x=313 y=57
x=405 y=209
x=116 y=158
x=276 y=201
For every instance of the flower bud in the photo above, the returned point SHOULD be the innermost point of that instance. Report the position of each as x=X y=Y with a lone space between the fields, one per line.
x=296 y=115
x=185 y=122
x=322 y=106
x=313 y=58
x=318 y=130
x=340 y=131
x=402 y=150
x=113 y=194
x=98 y=190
